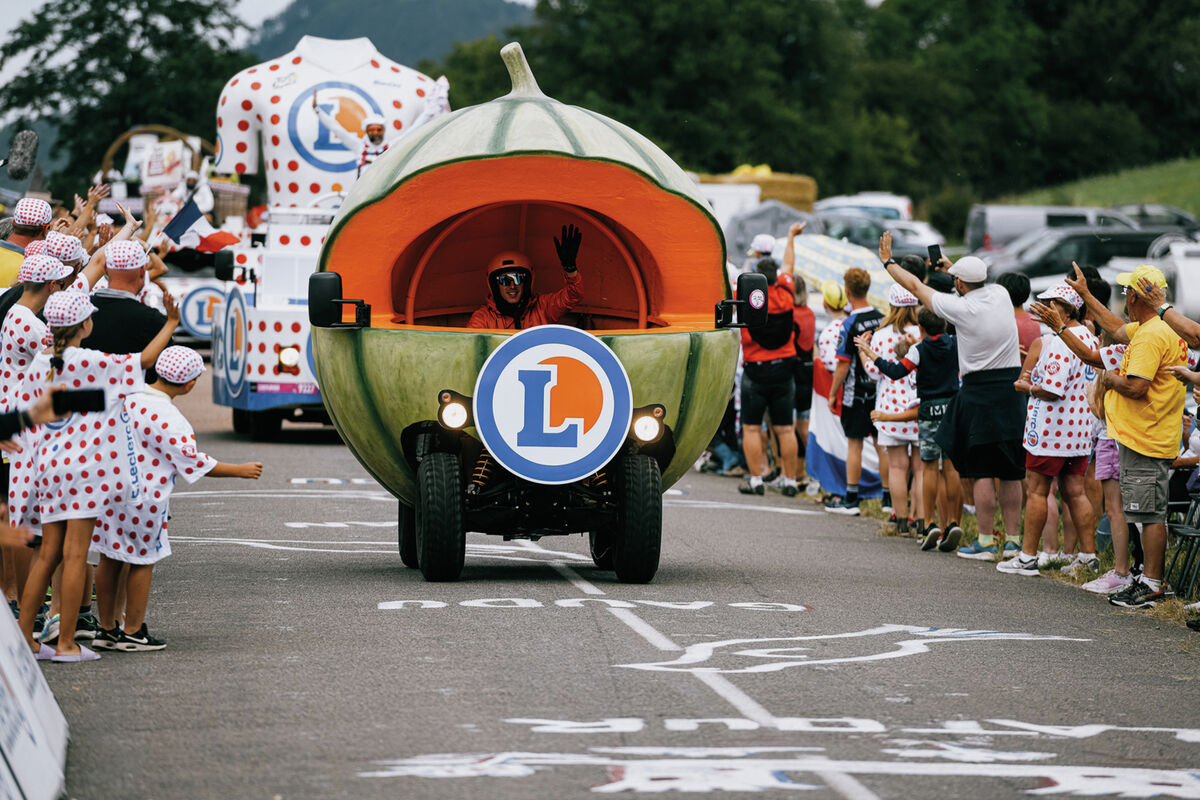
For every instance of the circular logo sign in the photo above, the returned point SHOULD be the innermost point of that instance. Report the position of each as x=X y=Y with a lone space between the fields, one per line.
x=315 y=143
x=758 y=298
x=233 y=344
x=553 y=404
x=195 y=312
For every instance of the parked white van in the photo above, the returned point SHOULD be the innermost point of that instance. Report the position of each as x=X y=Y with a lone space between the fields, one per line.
x=991 y=227
x=879 y=204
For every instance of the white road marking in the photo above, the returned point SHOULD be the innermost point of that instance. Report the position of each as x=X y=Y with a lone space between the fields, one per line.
x=644 y=629
x=847 y=786
x=291 y=494
x=336 y=481
x=723 y=506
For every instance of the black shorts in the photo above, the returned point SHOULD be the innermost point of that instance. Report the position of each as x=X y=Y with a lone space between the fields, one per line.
x=1003 y=460
x=804 y=387
x=768 y=387
x=856 y=420
x=5 y=467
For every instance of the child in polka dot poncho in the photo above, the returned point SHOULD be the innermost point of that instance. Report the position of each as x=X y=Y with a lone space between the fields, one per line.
x=133 y=531
x=83 y=463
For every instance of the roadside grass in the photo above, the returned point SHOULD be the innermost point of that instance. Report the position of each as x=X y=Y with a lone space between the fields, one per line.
x=1176 y=183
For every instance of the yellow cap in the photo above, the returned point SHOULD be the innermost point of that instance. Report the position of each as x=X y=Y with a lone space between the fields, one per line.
x=835 y=296
x=1143 y=271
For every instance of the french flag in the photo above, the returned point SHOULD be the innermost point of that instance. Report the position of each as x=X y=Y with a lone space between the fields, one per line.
x=189 y=228
x=825 y=455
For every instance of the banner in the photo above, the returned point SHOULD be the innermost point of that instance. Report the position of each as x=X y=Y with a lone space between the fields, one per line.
x=33 y=730
x=162 y=164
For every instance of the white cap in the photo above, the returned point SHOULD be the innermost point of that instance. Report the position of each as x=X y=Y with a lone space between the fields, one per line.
x=373 y=119
x=969 y=269
x=763 y=243
x=899 y=296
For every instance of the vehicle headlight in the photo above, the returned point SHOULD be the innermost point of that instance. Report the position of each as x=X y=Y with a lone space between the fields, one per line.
x=289 y=356
x=453 y=415
x=647 y=428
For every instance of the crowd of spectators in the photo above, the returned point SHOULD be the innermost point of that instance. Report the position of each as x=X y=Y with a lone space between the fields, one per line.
x=86 y=489
x=1060 y=416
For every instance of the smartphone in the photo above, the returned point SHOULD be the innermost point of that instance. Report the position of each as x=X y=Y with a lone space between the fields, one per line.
x=69 y=400
x=935 y=254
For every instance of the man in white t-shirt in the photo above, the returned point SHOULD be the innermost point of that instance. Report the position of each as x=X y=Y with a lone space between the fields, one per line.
x=984 y=423
x=1058 y=437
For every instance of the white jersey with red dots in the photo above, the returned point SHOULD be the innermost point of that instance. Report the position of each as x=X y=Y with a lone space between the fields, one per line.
x=136 y=531
x=304 y=159
x=85 y=462
x=21 y=338
x=1061 y=427
x=827 y=344
x=893 y=397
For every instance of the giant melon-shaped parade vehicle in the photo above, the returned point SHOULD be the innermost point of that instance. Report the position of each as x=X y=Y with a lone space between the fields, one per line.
x=569 y=428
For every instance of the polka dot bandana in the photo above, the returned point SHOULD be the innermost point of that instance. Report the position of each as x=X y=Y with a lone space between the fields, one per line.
x=126 y=255
x=32 y=211
x=179 y=364
x=42 y=268
x=67 y=308
x=64 y=247
x=1061 y=291
x=899 y=296
x=36 y=247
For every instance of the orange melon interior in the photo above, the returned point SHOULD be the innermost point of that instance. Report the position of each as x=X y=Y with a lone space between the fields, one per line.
x=650 y=258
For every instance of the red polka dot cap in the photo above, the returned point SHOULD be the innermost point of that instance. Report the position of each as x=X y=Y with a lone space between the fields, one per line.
x=36 y=247
x=64 y=247
x=126 y=255
x=42 y=268
x=32 y=211
x=1061 y=291
x=67 y=308
x=179 y=364
x=899 y=296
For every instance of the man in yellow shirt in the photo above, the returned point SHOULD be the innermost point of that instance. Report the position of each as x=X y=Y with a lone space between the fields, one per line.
x=1144 y=409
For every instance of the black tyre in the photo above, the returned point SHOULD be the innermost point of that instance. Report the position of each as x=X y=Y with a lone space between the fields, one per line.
x=262 y=426
x=408 y=535
x=441 y=540
x=637 y=542
x=600 y=545
x=241 y=422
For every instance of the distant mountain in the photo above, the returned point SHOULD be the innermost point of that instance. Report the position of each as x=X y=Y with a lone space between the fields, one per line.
x=403 y=30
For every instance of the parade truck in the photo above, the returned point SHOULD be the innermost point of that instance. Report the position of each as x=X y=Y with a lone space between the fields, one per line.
x=261 y=343
x=569 y=428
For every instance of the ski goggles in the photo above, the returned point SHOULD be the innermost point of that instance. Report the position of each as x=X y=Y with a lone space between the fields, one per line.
x=507 y=279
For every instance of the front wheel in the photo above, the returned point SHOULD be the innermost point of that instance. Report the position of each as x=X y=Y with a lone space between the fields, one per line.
x=637 y=542
x=441 y=541
x=407 y=537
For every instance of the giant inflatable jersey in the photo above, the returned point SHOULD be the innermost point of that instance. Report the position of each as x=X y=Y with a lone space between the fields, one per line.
x=304 y=159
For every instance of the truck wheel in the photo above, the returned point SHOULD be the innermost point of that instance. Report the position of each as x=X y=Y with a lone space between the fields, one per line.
x=241 y=422
x=441 y=540
x=263 y=426
x=600 y=545
x=408 y=535
x=638 y=537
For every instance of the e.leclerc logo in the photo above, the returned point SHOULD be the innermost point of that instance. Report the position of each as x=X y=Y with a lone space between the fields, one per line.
x=348 y=104
x=553 y=404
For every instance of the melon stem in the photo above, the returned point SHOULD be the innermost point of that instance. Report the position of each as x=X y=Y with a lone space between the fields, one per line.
x=523 y=82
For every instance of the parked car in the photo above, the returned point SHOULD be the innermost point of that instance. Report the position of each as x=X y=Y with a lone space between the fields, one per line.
x=1051 y=255
x=878 y=204
x=991 y=227
x=1159 y=215
x=916 y=233
x=857 y=227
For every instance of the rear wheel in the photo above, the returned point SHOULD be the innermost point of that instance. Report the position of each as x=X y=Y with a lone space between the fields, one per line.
x=260 y=426
x=408 y=535
x=637 y=540
x=440 y=539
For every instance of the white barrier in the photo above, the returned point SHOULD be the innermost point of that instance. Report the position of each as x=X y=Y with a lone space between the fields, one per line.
x=33 y=730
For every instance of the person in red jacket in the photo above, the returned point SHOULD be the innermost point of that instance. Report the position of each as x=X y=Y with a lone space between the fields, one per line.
x=513 y=305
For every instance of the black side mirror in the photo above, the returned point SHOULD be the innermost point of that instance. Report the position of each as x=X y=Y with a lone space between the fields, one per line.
x=751 y=303
x=223 y=265
x=325 y=303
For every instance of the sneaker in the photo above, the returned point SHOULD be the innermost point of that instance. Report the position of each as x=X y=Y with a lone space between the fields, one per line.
x=844 y=507
x=1010 y=549
x=1054 y=559
x=1081 y=566
x=746 y=488
x=1108 y=583
x=86 y=627
x=950 y=538
x=1019 y=565
x=733 y=472
x=1192 y=607
x=978 y=552
x=107 y=639
x=831 y=499
x=1137 y=595
x=49 y=634
x=932 y=534
x=140 y=641
x=789 y=488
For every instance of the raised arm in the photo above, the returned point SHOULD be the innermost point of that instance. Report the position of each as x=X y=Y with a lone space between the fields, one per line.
x=1057 y=322
x=160 y=342
x=788 y=265
x=1187 y=329
x=1107 y=319
x=902 y=276
x=348 y=139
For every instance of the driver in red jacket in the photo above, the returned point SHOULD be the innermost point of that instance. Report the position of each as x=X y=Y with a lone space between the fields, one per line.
x=513 y=305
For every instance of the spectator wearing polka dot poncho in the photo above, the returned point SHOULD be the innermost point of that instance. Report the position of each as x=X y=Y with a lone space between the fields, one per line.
x=133 y=531
x=85 y=464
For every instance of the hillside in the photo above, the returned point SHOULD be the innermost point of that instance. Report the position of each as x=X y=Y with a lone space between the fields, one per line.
x=404 y=30
x=1176 y=183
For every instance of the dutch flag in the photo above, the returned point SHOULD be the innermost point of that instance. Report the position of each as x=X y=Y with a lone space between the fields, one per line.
x=189 y=228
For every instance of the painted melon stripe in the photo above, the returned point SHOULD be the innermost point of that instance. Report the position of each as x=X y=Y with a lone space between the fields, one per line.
x=388 y=442
x=500 y=132
x=565 y=127
x=633 y=144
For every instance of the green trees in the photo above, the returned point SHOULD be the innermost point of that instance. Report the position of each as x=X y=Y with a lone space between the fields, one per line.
x=100 y=67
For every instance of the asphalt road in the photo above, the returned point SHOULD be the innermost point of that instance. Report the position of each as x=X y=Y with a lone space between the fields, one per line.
x=778 y=649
